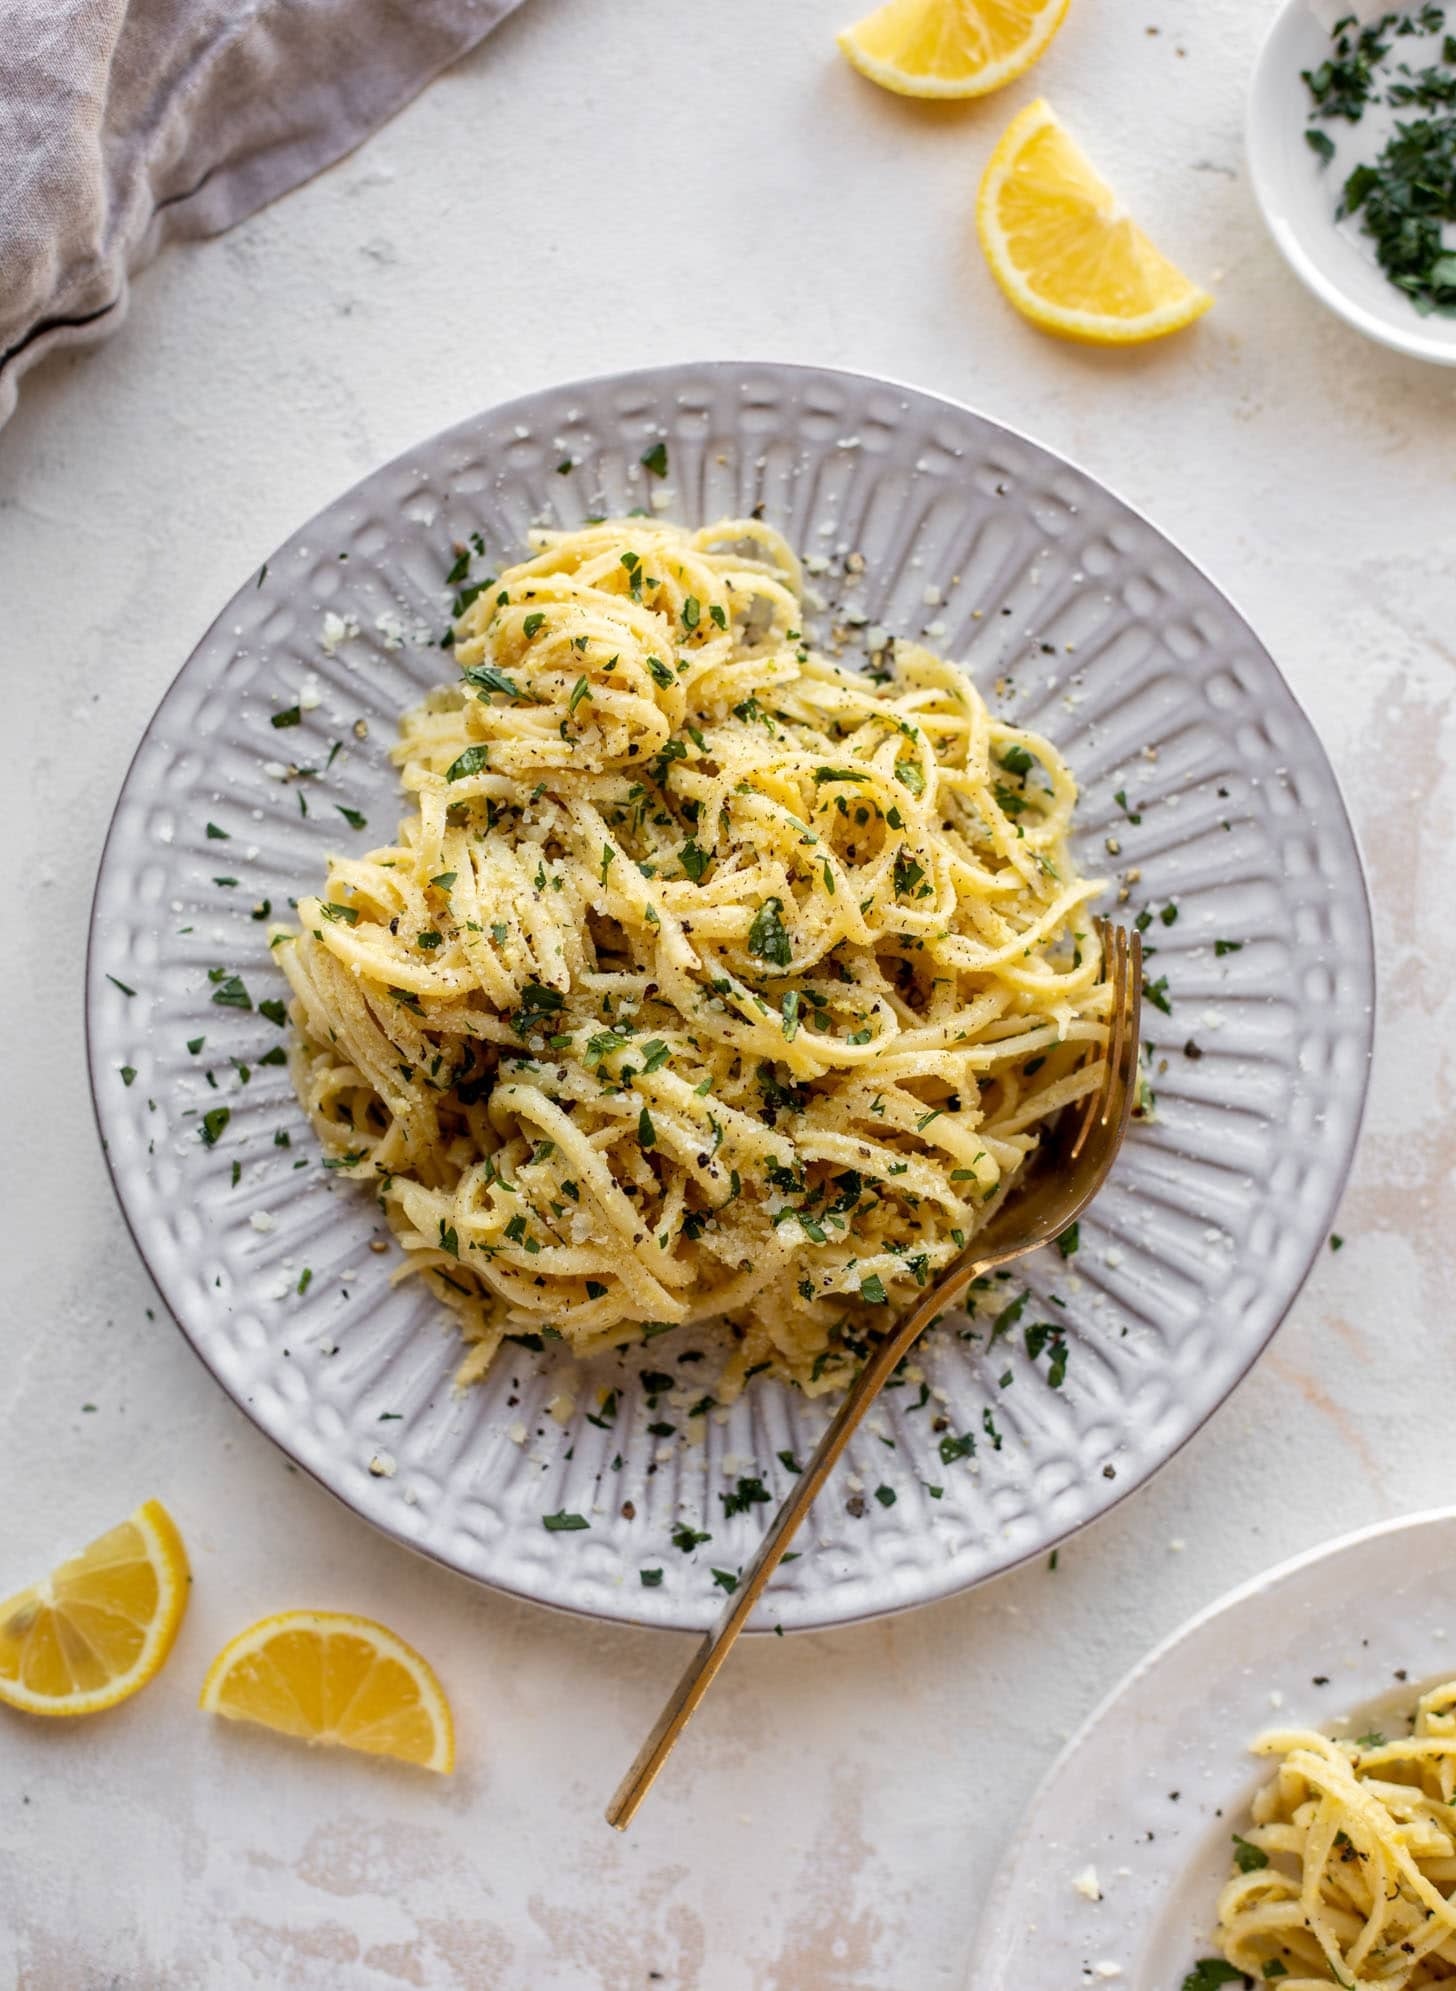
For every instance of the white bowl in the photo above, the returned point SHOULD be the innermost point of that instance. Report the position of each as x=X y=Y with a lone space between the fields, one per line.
x=1298 y=194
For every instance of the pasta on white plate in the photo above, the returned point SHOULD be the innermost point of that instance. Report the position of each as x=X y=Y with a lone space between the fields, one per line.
x=1348 y=1872
x=707 y=978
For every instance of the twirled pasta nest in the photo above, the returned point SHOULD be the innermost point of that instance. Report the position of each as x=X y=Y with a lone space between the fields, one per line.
x=707 y=979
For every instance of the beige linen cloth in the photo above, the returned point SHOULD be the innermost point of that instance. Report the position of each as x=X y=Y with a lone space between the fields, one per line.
x=127 y=123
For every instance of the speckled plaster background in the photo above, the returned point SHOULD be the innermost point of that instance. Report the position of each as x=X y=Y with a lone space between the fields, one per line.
x=600 y=188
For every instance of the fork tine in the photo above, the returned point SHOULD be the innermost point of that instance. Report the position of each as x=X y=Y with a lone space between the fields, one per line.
x=1118 y=1031
x=1095 y=1110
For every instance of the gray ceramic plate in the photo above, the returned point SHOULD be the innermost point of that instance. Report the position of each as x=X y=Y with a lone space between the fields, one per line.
x=1108 y=638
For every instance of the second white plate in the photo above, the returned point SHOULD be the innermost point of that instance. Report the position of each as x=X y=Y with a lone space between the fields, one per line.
x=1151 y=1789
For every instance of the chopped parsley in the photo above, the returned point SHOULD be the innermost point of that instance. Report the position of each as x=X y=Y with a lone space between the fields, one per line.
x=212 y=1124
x=1210 y=1972
x=470 y=762
x=537 y=1004
x=746 y=1494
x=767 y=937
x=1248 y=1858
x=694 y=861
x=230 y=992
x=655 y=459
x=487 y=678
x=562 y=1523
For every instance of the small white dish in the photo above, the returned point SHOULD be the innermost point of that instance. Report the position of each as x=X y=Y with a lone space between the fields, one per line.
x=1114 y=1874
x=1298 y=193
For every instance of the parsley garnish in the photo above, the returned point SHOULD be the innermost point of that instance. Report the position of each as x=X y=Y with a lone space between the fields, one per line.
x=1211 y=1971
x=352 y=817
x=687 y=1539
x=562 y=1523
x=213 y=1122
x=231 y=994
x=767 y=937
x=537 y=1003
x=748 y=1493
x=1248 y=1858
x=487 y=678
x=470 y=762
x=290 y=716
x=655 y=459
x=694 y=861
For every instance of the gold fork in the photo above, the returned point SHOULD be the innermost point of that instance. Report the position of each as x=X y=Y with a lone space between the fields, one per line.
x=1068 y=1169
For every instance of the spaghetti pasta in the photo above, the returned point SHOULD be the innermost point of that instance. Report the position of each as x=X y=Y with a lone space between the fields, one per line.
x=1348 y=1873
x=707 y=978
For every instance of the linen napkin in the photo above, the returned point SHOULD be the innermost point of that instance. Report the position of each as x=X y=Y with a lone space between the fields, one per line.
x=127 y=123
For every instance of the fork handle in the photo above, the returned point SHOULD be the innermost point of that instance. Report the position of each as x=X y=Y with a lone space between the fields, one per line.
x=702 y=1668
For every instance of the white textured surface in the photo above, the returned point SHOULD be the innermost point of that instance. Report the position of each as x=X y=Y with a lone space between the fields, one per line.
x=838 y=1810
x=1099 y=635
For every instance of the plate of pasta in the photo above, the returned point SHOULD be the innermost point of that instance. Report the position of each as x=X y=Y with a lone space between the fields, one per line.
x=1270 y=1797
x=605 y=915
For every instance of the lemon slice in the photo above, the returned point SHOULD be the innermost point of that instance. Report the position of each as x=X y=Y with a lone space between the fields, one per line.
x=1062 y=249
x=100 y=1625
x=951 y=48
x=328 y=1677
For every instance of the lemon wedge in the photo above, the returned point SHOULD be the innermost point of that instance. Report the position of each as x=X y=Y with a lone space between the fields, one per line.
x=951 y=48
x=100 y=1625
x=329 y=1677
x=1063 y=250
